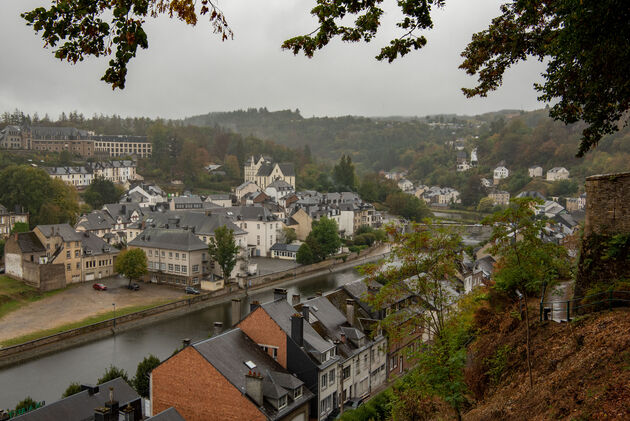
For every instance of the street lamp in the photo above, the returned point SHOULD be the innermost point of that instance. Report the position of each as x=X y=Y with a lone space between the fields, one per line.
x=114 y=304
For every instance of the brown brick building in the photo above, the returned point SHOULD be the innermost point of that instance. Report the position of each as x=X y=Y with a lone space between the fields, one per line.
x=228 y=377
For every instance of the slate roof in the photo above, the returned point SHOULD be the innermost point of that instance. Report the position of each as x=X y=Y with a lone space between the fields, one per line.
x=94 y=246
x=287 y=168
x=81 y=406
x=280 y=185
x=29 y=243
x=281 y=311
x=203 y=224
x=170 y=239
x=124 y=210
x=66 y=232
x=96 y=220
x=169 y=414
x=286 y=247
x=248 y=213
x=228 y=353
x=533 y=194
x=43 y=132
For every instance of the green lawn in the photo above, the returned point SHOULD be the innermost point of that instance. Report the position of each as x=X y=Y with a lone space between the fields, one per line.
x=15 y=294
x=87 y=321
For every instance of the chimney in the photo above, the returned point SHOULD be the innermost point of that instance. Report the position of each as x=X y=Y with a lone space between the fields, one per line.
x=218 y=327
x=236 y=311
x=254 y=387
x=305 y=312
x=185 y=342
x=254 y=305
x=102 y=414
x=279 y=294
x=128 y=413
x=91 y=389
x=350 y=311
x=112 y=405
x=295 y=299
x=297 y=329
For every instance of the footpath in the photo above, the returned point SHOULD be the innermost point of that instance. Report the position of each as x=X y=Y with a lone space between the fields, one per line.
x=18 y=353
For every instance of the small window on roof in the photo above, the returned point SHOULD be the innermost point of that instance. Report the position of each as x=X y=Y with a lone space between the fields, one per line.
x=250 y=365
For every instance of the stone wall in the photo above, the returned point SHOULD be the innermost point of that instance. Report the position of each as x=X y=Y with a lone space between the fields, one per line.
x=607 y=204
x=604 y=252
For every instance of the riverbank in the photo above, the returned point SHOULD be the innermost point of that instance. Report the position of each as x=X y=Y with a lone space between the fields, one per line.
x=71 y=338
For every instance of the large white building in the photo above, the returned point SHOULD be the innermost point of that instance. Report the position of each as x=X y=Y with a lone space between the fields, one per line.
x=557 y=173
x=263 y=171
x=123 y=146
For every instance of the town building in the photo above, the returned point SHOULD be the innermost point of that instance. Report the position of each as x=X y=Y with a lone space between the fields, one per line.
x=500 y=173
x=174 y=256
x=228 y=377
x=557 y=173
x=284 y=251
x=279 y=189
x=222 y=200
x=535 y=171
x=79 y=177
x=261 y=225
x=405 y=185
x=500 y=197
x=84 y=256
x=263 y=171
x=113 y=400
x=185 y=202
x=119 y=172
x=9 y=219
x=122 y=145
x=59 y=139
x=245 y=188
x=290 y=339
x=145 y=195
x=480 y=274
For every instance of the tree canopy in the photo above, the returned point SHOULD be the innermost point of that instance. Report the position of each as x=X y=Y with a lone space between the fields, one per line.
x=223 y=250
x=584 y=44
x=323 y=240
x=100 y=192
x=132 y=263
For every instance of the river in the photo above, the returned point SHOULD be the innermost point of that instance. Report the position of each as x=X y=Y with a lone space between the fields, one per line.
x=47 y=377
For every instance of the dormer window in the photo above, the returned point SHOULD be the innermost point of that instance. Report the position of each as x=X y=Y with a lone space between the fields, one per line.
x=297 y=393
x=282 y=402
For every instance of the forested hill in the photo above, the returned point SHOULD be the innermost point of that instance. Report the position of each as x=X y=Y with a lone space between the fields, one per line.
x=519 y=138
x=374 y=144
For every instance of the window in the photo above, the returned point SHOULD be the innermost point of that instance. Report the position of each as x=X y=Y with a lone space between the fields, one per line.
x=177 y=255
x=177 y=267
x=79 y=265
x=331 y=377
x=258 y=240
x=326 y=404
x=150 y=252
x=195 y=268
x=324 y=381
x=257 y=226
x=68 y=266
x=274 y=353
x=346 y=372
x=170 y=254
x=68 y=254
x=282 y=402
x=184 y=269
x=183 y=256
x=76 y=253
x=163 y=253
x=297 y=393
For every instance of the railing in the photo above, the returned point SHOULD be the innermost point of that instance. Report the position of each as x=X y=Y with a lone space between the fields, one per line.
x=565 y=310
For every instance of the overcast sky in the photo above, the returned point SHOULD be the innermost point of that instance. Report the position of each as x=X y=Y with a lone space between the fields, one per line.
x=188 y=70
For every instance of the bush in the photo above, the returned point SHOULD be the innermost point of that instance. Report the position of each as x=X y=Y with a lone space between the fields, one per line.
x=376 y=409
x=141 y=381
x=305 y=255
x=73 y=389
x=112 y=373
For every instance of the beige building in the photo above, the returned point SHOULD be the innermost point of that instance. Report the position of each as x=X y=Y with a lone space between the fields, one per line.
x=174 y=256
x=123 y=146
x=500 y=197
x=557 y=173
x=84 y=256
x=301 y=223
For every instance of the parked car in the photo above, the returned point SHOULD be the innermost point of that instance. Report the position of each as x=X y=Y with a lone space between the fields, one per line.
x=191 y=290
x=133 y=287
x=100 y=287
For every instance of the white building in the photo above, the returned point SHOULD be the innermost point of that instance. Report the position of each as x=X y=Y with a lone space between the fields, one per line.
x=535 y=171
x=123 y=146
x=500 y=173
x=405 y=185
x=557 y=173
x=463 y=166
x=263 y=171
x=261 y=225
x=73 y=176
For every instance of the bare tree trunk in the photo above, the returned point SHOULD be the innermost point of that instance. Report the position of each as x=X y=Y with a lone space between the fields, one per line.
x=529 y=362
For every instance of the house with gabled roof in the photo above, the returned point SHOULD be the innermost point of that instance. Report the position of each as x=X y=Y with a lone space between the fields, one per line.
x=263 y=171
x=228 y=377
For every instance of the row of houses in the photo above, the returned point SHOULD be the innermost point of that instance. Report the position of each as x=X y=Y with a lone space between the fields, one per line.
x=115 y=171
x=554 y=174
x=285 y=360
x=78 y=142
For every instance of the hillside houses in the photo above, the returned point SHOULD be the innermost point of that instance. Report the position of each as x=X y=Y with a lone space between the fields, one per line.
x=557 y=174
x=535 y=171
x=438 y=196
x=120 y=172
x=500 y=173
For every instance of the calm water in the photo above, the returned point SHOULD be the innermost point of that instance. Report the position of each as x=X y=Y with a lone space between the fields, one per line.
x=47 y=377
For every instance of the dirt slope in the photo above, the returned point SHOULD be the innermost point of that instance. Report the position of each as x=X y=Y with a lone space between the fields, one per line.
x=581 y=370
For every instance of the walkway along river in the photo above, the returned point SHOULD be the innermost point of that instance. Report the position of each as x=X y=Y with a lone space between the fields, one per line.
x=47 y=377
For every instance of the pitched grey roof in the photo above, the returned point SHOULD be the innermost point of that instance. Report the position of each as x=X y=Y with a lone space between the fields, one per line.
x=280 y=185
x=248 y=213
x=96 y=220
x=123 y=210
x=29 y=243
x=286 y=247
x=287 y=168
x=170 y=239
x=169 y=414
x=66 y=232
x=533 y=194
x=228 y=353
x=81 y=406
x=42 y=132
x=201 y=223
x=281 y=311
x=94 y=246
